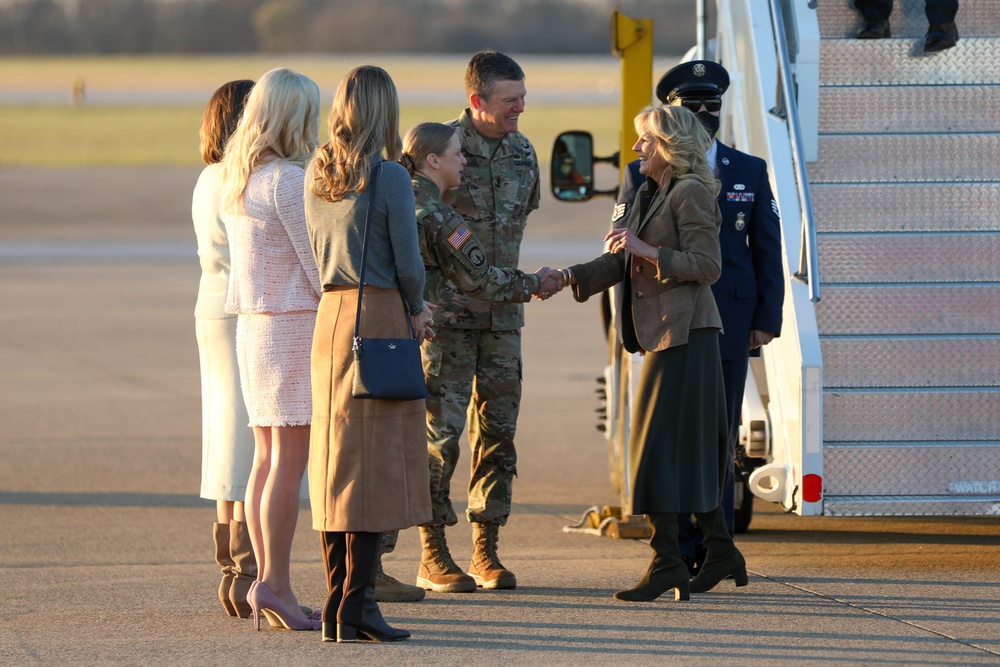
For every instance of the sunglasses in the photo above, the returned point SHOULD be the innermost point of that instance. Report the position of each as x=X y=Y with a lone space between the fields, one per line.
x=711 y=104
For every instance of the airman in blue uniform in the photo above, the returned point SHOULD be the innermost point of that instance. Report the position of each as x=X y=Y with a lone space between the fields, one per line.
x=750 y=291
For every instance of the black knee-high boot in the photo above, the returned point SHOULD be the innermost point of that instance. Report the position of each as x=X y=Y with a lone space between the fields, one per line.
x=723 y=558
x=335 y=562
x=667 y=569
x=359 y=618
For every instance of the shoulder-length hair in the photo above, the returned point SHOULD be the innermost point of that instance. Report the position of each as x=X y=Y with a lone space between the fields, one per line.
x=220 y=118
x=364 y=122
x=280 y=122
x=682 y=141
x=425 y=139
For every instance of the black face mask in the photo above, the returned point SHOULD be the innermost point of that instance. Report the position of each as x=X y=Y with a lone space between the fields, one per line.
x=710 y=121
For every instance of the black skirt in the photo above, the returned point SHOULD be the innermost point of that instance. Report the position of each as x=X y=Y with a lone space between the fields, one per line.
x=679 y=428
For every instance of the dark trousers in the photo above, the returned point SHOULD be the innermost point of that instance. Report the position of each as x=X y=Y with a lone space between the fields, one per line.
x=938 y=11
x=734 y=375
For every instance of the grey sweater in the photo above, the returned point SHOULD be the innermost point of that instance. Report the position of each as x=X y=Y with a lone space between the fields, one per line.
x=337 y=232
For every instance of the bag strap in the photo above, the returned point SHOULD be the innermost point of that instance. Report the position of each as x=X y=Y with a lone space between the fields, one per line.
x=364 y=260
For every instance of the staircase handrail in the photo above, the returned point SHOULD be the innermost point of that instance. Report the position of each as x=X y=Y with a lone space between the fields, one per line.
x=787 y=110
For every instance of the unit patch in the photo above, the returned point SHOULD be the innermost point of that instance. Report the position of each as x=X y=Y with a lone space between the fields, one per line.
x=619 y=212
x=459 y=237
x=739 y=196
x=475 y=255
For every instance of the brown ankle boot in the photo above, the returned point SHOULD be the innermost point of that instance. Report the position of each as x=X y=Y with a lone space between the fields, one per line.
x=438 y=572
x=486 y=568
x=225 y=561
x=244 y=568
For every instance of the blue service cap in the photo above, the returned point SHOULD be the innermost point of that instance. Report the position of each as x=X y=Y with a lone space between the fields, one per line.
x=691 y=79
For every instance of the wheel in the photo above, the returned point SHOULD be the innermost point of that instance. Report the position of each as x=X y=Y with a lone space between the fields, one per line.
x=743 y=496
x=744 y=506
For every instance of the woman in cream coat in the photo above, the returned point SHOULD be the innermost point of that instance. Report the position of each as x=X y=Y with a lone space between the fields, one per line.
x=226 y=440
x=668 y=255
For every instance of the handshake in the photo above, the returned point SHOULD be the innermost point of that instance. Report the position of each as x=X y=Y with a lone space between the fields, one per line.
x=552 y=281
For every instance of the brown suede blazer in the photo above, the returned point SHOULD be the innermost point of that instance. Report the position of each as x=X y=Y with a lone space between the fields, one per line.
x=674 y=296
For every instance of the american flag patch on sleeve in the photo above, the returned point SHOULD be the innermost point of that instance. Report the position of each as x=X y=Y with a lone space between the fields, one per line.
x=459 y=237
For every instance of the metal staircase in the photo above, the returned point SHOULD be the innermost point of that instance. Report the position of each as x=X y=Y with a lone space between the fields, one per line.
x=906 y=191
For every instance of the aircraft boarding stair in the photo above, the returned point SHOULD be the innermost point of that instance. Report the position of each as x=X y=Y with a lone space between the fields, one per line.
x=906 y=192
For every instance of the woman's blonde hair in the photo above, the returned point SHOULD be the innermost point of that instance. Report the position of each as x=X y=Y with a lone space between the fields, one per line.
x=425 y=139
x=364 y=121
x=280 y=121
x=682 y=141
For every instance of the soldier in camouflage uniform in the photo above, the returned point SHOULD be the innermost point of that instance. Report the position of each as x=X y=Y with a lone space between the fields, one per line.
x=456 y=266
x=474 y=363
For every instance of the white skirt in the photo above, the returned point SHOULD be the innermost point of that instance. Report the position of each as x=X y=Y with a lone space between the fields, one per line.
x=274 y=358
x=226 y=440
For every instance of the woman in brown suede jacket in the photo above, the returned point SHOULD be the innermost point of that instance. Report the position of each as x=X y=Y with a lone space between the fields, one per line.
x=667 y=255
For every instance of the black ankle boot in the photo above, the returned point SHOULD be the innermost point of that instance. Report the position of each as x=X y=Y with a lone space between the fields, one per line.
x=723 y=560
x=667 y=570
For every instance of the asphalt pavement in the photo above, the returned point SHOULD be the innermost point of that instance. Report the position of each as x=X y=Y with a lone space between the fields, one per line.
x=106 y=553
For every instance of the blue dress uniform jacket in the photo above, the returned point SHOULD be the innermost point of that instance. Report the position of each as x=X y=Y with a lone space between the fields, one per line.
x=751 y=289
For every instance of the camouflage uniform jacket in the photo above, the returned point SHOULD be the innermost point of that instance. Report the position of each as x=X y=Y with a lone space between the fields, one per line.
x=498 y=191
x=455 y=263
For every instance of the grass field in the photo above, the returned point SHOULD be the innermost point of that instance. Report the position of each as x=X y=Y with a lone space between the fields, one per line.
x=63 y=136
x=161 y=126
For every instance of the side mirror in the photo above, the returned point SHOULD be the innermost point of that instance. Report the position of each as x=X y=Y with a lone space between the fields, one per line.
x=572 y=166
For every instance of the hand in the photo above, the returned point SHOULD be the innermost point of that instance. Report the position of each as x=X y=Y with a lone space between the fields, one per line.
x=551 y=283
x=760 y=338
x=422 y=322
x=623 y=238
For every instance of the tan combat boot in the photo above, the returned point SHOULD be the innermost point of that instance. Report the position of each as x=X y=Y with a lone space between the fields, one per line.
x=486 y=567
x=438 y=572
x=390 y=589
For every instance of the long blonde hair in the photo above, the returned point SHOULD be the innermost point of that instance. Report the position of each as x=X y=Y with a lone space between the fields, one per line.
x=682 y=141
x=280 y=121
x=364 y=121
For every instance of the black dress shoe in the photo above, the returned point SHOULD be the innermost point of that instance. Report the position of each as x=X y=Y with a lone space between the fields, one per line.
x=941 y=36
x=877 y=29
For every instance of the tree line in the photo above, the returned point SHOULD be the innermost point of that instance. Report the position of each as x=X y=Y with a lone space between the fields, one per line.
x=331 y=26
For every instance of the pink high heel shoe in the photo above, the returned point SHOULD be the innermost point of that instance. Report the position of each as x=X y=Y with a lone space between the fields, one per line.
x=262 y=600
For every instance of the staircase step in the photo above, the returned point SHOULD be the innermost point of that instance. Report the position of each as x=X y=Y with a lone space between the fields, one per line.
x=917 y=109
x=902 y=62
x=905 y=257
x=921 y=505
x=941 y=361
x=874 y=469
x=918 y=310
x=897 y=158
x=839 y=18
x=915 y=207
x=885 y=415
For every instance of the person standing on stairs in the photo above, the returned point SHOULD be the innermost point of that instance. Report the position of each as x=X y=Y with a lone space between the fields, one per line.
x=941 y=34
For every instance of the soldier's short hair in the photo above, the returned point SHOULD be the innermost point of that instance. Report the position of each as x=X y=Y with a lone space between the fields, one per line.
x=486 y=69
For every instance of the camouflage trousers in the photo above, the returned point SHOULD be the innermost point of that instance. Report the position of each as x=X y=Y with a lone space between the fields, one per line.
x=474 y=374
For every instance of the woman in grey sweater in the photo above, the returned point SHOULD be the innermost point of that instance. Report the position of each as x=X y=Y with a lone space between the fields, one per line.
x=368 y=458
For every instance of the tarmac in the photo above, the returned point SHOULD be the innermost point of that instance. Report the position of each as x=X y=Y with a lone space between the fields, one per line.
x=107 y=556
